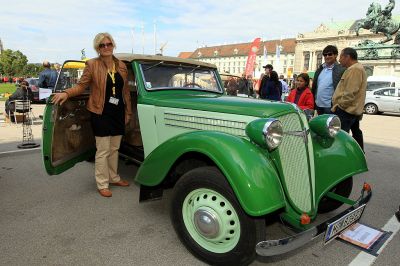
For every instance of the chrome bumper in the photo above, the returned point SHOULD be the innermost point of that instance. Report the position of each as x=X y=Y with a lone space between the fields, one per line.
x=280 y=246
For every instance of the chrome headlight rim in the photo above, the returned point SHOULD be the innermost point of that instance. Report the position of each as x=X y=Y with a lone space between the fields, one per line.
x=273 y=133
x=333 y=125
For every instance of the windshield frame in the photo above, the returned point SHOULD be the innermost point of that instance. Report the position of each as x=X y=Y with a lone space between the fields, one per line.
x=192 y=69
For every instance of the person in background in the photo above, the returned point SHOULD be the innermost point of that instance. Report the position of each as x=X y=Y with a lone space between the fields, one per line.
x=243 y=86
x=285 y=87
x=349 y=98
x=326 y=79
x=22 y=93
x=250 y=87
x=302 y=95
x=272 y=89
x=262 y=81
x=110 y=106
x=232 y=86
x=57 y=68
x=48 y=77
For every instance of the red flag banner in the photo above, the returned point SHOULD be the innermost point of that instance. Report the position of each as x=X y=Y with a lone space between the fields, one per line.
x=251 y=58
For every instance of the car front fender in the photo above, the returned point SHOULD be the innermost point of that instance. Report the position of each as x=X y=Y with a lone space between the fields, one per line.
x=246 y=167
x=335 y=160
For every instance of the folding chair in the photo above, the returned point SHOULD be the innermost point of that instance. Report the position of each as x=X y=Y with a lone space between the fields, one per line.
x=21 y=107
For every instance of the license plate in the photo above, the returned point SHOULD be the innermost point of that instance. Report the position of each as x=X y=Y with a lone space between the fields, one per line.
x=335 y=228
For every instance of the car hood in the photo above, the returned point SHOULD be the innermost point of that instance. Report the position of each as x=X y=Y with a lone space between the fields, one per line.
x=221 y=104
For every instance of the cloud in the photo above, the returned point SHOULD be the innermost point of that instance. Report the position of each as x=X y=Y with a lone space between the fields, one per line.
x=60 y=30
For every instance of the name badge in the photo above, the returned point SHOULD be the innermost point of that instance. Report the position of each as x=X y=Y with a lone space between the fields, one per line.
x=113 y=100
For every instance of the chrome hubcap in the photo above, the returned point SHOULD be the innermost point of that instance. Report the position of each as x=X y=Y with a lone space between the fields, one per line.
x=206 y=223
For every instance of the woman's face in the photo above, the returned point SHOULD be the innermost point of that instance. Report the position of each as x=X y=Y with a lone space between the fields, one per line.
x=301 y=83
x=106 y=47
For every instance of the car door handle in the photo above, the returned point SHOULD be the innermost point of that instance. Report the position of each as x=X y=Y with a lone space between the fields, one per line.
x=377 y=97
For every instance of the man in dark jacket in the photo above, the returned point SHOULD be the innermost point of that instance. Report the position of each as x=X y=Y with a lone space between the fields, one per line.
x=326 y=79
x=268 y=69
x=48 y=77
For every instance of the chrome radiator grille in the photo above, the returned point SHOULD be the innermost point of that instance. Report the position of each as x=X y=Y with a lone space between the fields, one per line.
x=205 y=123
x=293 y=156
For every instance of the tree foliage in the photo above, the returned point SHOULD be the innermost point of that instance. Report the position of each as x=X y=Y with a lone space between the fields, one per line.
x=12 y=63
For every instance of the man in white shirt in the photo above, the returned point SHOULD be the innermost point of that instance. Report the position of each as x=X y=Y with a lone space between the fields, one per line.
x=326 y=79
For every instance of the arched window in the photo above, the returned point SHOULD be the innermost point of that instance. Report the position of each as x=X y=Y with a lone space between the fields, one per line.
x=319 y=59
x=306 y=60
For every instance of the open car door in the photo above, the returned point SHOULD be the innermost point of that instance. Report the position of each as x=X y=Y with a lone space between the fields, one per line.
x=67 y=134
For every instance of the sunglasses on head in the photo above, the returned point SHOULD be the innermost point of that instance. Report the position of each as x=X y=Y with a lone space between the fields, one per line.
x=104 y=45
x=328 y=54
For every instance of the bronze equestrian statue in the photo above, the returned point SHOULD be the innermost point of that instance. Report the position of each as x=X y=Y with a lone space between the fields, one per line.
x=380 y=20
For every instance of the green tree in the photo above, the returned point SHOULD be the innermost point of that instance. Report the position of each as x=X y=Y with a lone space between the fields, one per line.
x=12 y=63
x=32 y=70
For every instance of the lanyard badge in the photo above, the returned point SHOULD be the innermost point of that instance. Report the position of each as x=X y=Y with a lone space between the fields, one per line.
x=113 y=99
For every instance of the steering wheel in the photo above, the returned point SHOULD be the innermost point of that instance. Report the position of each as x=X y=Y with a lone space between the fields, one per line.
x=192 y=84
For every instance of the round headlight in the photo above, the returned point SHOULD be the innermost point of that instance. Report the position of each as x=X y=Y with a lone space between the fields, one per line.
x=273 y=133
x=333 y=124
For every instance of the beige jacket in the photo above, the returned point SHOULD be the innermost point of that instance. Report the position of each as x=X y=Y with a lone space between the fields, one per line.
x=351 y=90
x=95 y=77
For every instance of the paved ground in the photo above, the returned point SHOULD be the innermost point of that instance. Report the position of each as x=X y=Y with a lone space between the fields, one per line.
x=11 y=134
x=61 y=220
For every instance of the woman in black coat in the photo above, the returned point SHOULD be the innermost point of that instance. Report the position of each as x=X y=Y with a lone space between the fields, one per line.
x=272 y=88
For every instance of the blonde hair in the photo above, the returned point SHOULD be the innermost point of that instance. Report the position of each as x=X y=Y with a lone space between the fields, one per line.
x=99 y=38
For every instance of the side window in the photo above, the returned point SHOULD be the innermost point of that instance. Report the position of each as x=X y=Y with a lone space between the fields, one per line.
x=386 y=92
x=389 y=92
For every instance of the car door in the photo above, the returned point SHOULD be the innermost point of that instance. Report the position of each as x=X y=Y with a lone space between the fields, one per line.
x=397 y=101
x=386 y=99
x=67 y=135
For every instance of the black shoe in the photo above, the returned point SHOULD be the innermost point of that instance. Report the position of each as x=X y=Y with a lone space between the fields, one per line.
x=397 y=215
x=41 y=117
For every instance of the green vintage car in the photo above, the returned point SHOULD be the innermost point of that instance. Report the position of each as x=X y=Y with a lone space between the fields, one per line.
x=232 y=162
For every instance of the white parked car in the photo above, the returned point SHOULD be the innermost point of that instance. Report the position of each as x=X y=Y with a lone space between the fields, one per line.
x=383 y=100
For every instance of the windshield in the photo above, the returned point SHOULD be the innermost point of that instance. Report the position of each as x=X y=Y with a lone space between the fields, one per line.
x=162 y=76
x=69 y=75
x=372 y=85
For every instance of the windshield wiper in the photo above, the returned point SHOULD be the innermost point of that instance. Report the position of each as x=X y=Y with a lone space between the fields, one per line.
x=156 y=64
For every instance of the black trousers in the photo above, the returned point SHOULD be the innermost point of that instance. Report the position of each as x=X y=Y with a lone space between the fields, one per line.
x=323 y=110
x=351 y=122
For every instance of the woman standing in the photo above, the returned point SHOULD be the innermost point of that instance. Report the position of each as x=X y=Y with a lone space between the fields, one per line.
x=302 y=95
x=110 y=106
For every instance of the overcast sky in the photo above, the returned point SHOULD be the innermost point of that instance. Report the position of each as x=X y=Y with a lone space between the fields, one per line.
x=58 y=30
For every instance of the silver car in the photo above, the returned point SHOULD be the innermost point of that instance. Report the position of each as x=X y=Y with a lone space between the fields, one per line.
x=382 y=100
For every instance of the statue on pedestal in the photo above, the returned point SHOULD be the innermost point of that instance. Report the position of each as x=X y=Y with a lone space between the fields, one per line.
x=380 y=20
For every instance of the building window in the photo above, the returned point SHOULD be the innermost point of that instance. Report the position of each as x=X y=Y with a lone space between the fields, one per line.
x=235 y=51
x=306 y=60
x=319 y=59
x=291 y=62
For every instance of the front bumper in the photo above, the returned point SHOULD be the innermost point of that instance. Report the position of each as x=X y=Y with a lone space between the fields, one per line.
x=280 y=246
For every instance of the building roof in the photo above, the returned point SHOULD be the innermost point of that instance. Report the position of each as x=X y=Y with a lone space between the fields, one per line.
x=185 y=54
x=242 y=49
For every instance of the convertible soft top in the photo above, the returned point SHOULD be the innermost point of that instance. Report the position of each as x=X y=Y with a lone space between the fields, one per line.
x=140 y=57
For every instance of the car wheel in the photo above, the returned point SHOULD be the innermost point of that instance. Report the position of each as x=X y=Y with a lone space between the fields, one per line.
x=371 y=109
x=210 y=221
x=343 y=189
